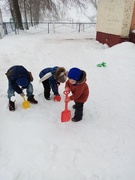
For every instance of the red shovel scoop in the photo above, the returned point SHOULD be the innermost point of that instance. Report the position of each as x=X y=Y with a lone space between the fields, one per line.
x=66 y=114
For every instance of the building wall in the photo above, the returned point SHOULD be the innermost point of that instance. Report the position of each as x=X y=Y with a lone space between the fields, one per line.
x=114 y=20
x=127 y=18
x=109 y=16
x=133 y=20
x=132 y=28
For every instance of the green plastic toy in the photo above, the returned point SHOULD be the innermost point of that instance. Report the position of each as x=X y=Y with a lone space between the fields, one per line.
x=103 y=64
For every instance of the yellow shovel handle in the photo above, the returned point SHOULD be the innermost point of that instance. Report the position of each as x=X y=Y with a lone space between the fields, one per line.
x=24 y=98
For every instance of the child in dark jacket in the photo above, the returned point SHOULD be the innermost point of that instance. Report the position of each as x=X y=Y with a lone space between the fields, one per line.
x=51 y=78
x=19 y=78
x=79 y=89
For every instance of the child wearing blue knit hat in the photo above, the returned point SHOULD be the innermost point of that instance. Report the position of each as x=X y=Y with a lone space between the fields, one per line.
x=79 y=89
x=19 y=78
x=74 y=73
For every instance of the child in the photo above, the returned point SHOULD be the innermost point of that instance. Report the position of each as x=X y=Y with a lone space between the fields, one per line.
x=79 y=89
x=51 y=78
x=19 y=78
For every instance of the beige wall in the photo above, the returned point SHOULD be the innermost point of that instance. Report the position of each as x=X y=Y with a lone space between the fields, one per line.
x=133 y=20
x=114 y=16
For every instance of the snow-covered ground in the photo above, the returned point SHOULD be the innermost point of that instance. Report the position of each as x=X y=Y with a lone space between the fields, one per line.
x=35 y=145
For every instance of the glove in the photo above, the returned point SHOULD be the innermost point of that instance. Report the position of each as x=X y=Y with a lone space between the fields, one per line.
x=22 y=94
x=58 y=83
x=57 y=98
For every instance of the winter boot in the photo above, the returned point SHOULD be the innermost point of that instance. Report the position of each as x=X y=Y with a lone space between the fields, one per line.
x=32 y=100
x=74 y=106
x=47 y=95
x=74 y=119
x=11 y=106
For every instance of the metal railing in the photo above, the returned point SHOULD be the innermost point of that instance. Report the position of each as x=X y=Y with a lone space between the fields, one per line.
x=48 y=27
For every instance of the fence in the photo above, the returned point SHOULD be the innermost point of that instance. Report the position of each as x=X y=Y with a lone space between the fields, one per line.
x=48 y=27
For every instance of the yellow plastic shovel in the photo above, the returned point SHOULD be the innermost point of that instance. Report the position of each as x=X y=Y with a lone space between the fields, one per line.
x=25 y=104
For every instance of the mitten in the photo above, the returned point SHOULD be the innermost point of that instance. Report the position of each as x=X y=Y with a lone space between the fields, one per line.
x=58 y=83
x=57 y=98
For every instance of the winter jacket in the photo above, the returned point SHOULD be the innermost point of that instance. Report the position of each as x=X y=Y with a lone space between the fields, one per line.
x=51 y=79
x=80 y=90
x=16 y=72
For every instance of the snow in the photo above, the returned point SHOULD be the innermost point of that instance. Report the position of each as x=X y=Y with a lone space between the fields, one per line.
x=35 y=145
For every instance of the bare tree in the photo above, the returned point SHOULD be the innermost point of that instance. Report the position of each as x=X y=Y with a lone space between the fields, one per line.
x=15 y=11
x=80 y=3
x=81 y=6
x=25 y=15
x=49 y=7
x=95 y=3
x=31 y=10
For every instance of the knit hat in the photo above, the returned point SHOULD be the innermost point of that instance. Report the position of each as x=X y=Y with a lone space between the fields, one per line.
x=22 y=81
x=74 y=73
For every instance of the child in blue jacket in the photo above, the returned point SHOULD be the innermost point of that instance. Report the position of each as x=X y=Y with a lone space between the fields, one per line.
x=19 y=78
x=51 y=78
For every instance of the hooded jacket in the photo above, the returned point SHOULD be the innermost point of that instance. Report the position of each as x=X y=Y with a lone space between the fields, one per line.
x=52 y=77
x=16 y=72
x=80 y=90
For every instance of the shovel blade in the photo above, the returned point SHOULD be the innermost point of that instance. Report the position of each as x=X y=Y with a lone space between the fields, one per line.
x=26 y=104
x=65 y=116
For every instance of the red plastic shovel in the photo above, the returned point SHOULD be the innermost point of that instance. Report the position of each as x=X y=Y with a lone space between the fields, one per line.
x=66 y=114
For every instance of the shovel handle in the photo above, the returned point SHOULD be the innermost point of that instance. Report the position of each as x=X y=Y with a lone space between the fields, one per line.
x=24 y=98
x=66 y=96
x=66 y=114
x=66 y=92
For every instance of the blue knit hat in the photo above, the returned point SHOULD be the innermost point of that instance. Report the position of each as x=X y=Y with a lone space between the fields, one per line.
x=74 y=73
x=22 y=81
